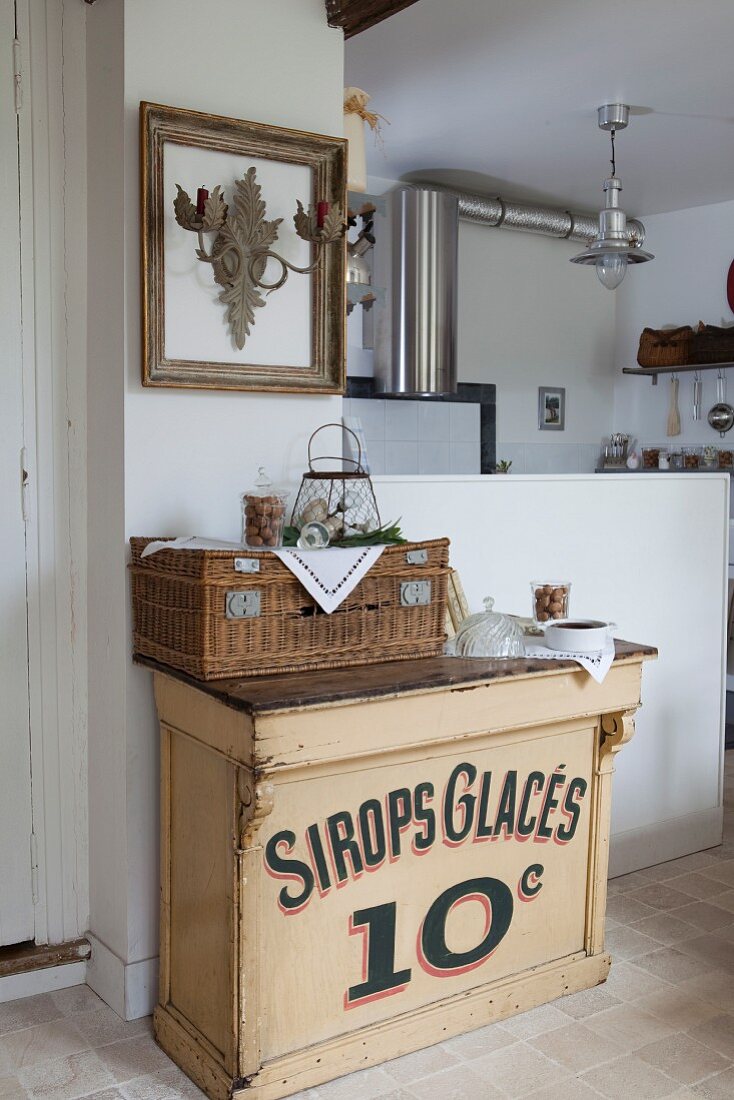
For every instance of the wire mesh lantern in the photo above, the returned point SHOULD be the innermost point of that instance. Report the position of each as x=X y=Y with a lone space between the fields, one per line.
x=343 y=500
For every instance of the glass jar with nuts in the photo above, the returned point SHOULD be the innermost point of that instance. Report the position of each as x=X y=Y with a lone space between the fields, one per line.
x=550 y=600
x=263 y=514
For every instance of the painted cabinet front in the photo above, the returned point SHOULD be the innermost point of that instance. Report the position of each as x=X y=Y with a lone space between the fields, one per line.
x=347 y=881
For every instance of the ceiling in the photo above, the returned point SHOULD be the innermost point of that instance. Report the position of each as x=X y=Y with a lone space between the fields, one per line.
x=500 y=96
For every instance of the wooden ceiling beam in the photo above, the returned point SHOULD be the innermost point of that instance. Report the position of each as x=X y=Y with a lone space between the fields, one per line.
x=355 y=16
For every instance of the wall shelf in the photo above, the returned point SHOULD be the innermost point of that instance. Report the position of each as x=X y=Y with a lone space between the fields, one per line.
x=653 y=372
x=654 y=470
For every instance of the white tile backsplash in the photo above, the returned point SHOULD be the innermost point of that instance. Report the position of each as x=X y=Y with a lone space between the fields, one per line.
x=550 y=458
x=464 y=421
x=514 y=453
x=401 y=456
x=372 y=415
x=426 y=437
x=588 y=457
x=376 y=456
x=434 y=421
x=464 y=457
x=434 y=458
x=401 y=420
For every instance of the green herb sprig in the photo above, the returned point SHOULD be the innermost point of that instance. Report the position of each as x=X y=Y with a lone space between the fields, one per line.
x=387 y=535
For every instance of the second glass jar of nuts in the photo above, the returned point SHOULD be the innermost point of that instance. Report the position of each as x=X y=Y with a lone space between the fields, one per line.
x=263 y=514
x=550 y=600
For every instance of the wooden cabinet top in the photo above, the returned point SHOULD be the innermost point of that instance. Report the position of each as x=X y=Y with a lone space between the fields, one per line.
x=295 y=691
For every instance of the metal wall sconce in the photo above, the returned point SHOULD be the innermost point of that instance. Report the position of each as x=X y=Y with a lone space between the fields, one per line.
x=242 y=247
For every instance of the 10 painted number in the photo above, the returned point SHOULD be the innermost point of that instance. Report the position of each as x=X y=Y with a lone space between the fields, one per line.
x=378 y=926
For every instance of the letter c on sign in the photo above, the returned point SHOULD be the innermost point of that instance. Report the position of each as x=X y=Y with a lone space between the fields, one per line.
x=530 y=885
x=434 y=953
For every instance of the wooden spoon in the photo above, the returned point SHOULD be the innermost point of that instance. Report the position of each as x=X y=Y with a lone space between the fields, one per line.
x=674 y=411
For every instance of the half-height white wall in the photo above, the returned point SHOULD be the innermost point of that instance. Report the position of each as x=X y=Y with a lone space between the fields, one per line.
x=628 y=545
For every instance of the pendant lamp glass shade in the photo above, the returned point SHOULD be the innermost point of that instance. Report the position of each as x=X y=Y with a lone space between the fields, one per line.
x=613 y=249
x=611 y=270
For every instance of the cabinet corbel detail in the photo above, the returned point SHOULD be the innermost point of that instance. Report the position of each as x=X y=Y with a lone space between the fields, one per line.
x=615 y=730
x=256 y=803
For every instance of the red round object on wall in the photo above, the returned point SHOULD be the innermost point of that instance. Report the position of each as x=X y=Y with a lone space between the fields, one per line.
x=730 y=287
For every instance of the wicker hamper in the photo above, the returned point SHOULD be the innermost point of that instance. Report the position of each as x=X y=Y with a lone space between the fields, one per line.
x=712 y=344
x=665 y=347
x=180 y=600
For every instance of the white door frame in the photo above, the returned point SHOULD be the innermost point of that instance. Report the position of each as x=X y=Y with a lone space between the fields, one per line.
x=17 y=911
x=52 y=134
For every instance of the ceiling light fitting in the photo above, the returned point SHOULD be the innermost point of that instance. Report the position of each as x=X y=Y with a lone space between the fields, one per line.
x=612 y=250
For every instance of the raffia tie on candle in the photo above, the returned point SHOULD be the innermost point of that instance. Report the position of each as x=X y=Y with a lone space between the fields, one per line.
x=355 y=103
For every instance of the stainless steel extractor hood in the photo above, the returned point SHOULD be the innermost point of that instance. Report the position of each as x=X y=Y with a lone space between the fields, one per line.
x=425 y=226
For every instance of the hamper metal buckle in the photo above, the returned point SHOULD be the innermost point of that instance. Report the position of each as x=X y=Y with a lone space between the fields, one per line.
x=415 y=593
x=242 y=605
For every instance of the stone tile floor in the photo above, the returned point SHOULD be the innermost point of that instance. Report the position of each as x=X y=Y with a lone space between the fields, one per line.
x=661 y=1026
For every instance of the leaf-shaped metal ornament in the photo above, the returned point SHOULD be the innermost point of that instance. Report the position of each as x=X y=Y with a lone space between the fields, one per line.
x=237 y=258
x=215 y=211
x=333 y=227
x=307 y=226
x=185 y=211
x=305 y=223
x=243 y=246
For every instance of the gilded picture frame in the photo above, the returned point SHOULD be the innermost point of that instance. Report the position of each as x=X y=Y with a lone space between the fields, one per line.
x=320 y=366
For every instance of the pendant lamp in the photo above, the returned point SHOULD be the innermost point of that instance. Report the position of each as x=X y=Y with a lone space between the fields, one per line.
x=612 y=250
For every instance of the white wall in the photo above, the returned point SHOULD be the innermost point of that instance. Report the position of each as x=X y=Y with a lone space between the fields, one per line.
x=629 y=546
x=685 y=283
x=527 y=318
x=166 y=462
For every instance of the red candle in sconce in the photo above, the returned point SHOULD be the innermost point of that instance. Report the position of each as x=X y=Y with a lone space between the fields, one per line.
x=322 y=209
x=201 y=196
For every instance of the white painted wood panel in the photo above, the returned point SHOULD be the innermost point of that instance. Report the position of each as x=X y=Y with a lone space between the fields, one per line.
x=16 y=894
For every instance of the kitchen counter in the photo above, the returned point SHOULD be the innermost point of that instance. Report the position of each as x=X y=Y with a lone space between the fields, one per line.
x=361 y=862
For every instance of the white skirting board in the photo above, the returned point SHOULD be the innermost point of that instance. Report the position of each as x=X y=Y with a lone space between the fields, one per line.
x=50 y=978
x=680 y=836
x=130 y=989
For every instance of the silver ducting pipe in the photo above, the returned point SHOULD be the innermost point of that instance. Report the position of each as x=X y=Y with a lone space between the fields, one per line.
x=425 y=227
x=502 y=214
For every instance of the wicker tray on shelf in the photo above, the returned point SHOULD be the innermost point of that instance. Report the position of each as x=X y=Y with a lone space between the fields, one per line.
x=180 y=600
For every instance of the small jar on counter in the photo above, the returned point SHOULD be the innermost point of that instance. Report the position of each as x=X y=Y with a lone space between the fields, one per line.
x=691 y=458
x=710 y=458
x=550 y=600
x=650 y=458
x=263 y=514
x=675 y=460
x=726 y=459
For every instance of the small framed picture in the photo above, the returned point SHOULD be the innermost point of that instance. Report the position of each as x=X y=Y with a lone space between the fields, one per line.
x=551 y=408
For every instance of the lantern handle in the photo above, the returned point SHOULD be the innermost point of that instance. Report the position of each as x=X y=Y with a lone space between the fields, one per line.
x=357 y=463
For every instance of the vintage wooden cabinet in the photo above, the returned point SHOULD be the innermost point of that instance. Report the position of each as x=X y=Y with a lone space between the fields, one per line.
x=359 y=863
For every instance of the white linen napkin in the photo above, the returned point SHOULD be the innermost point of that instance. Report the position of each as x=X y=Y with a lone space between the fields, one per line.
x=330 y=575
x=597 y=664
